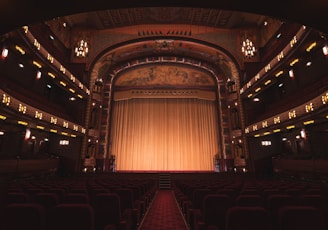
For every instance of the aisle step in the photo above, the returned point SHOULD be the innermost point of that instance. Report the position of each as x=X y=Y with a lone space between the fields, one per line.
x=164 y=181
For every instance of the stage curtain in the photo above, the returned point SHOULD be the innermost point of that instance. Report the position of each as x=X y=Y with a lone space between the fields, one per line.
x=164 y=134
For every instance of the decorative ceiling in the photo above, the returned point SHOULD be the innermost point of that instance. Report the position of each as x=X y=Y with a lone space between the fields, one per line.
x=109 y=19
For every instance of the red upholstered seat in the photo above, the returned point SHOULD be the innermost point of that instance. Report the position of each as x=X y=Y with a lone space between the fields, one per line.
x=76 y=198
x=72 y=216
x=215 y=207
x=108 y=212
x=252 y=218
x=24 y=216
x=250 y=200
x=300 y=218
x=17 y=197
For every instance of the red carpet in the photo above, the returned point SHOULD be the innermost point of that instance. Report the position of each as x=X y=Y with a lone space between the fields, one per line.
x=163 y=213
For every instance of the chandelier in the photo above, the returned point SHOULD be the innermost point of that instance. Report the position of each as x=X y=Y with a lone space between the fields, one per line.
x=248 y=48
x=82 y=49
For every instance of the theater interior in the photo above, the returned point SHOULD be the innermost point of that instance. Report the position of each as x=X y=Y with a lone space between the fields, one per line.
x=218 y=108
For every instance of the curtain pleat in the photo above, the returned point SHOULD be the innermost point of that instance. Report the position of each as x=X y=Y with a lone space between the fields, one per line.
x=164 y=134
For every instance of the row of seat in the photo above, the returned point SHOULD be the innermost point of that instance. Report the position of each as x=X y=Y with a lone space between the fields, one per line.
x=21 y=216
x=208 y=204
x=120 y=205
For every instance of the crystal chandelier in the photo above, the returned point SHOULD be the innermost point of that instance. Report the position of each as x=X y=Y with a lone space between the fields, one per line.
x=248 y=48
x=82 y=49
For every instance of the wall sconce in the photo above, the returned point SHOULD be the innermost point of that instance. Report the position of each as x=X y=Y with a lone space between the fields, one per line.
x=81 y=49
x=248 y=48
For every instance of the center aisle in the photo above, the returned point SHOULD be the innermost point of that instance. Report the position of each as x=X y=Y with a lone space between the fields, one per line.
x=164 y=213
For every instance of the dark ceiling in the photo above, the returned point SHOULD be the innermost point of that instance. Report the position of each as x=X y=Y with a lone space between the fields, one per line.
x=108 y=19
x=15 y=13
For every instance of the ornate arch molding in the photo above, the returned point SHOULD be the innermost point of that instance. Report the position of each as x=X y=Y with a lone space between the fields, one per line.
x=107 y=66
x=115 y=57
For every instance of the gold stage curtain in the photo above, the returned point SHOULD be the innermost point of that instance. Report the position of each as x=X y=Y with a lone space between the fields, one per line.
x=164 y=134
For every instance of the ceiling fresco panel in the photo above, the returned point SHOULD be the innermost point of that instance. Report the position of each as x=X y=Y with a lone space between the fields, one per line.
x=165 y=76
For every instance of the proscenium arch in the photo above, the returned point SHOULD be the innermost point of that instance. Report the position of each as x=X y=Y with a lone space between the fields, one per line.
x=223 y=67
x=221 y=60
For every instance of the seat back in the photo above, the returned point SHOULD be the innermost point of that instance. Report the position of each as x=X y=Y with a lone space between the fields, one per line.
x=300 y=218
x=215 y=207
x=255 y=218
x=76 y=198
x=72 y=216
x=24 y=216
x=17 y=197
x=250 y=200
x=107 y=209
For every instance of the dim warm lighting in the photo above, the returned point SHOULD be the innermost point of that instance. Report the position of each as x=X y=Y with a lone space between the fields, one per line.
x=279 y=73
x=20 y=49
x=82 y=49
x=40 y=127
x=308 y=122
x=3 y=117
x=267 y=82
x=290 y=127
x=294 y=62
x=276 y=130
x=51 y=75
x=248 y=48
x=37 y=64
x=22 y=123
x=62 y=83
x=311 y=46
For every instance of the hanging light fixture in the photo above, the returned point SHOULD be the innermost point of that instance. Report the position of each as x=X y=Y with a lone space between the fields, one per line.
x=248 y=48
x=82 y=48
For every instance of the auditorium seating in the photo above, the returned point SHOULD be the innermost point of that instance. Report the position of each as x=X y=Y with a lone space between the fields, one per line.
x=300 y=218
x=268 y=194
x=215 y=207
x=250 y=218
x=108 y=212
x=24 y=216
x=208 y=207
x=249 y=200
x=72 y=216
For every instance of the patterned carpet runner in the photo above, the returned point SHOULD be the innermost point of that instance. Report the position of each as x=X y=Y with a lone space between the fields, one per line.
x=164 y=213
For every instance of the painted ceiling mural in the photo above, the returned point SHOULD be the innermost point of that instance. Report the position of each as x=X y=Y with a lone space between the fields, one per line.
x=165 y=76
